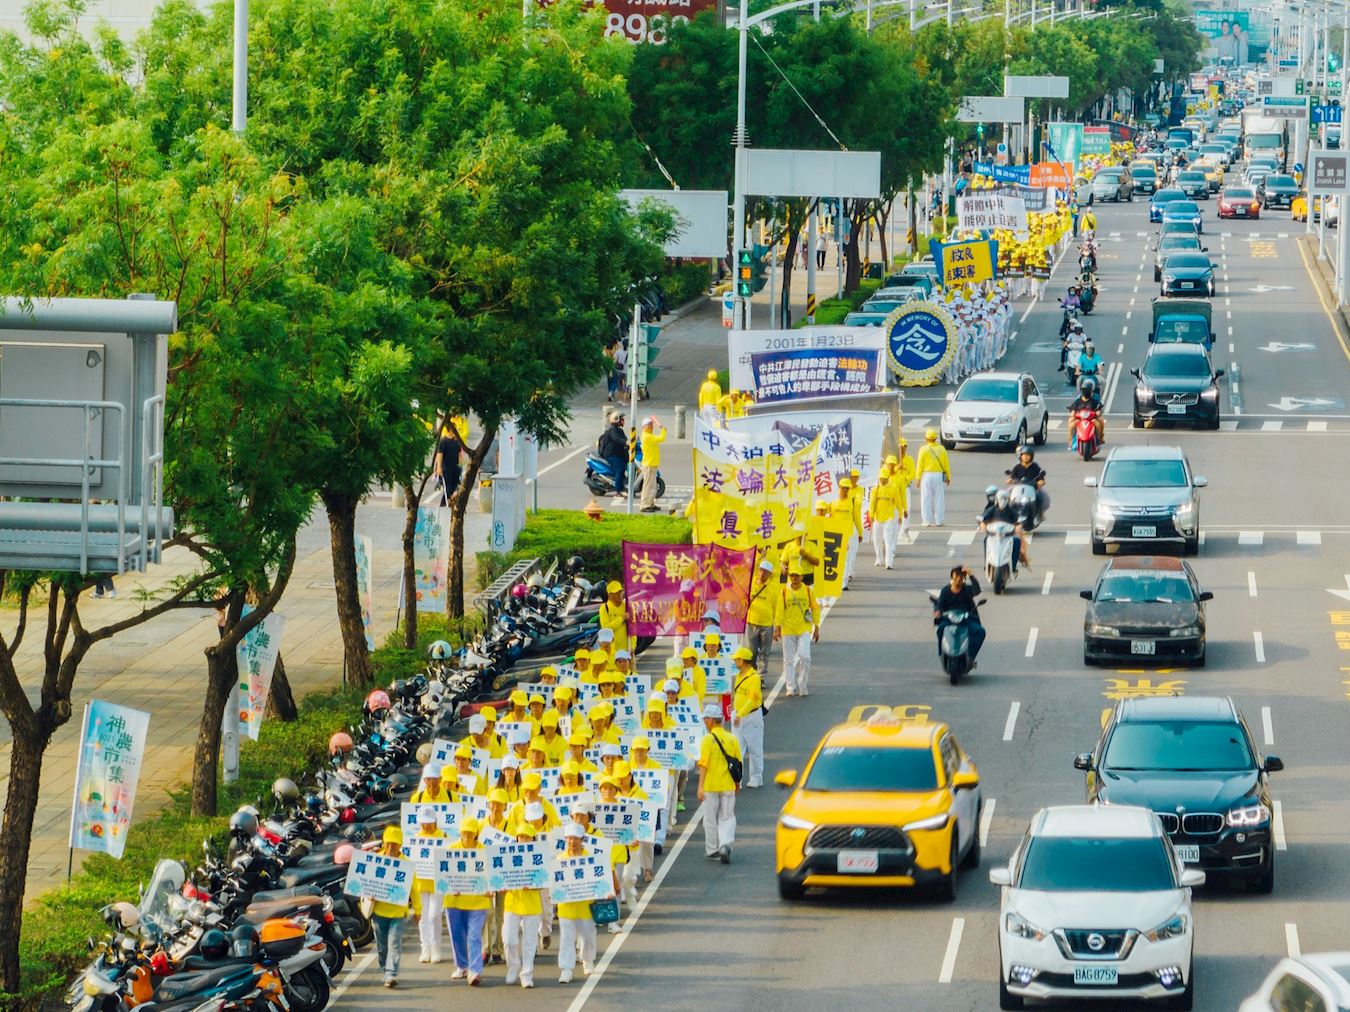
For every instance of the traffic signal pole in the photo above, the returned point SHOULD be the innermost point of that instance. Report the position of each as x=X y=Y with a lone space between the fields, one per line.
x=740 y=311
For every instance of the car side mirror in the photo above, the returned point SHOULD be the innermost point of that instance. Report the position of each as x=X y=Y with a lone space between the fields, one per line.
x=964 y=780
x=1200 y=481
x=1033 y=398
x=1204 y=249
x=1000 y=876
x=1083 y=761
x=1135 y=374
x=1192 y=878
x=1273 y=764
x=1086 y=595
x=1207 y=595
x=1090 y=481
x=1219 y=373
x=786 y=778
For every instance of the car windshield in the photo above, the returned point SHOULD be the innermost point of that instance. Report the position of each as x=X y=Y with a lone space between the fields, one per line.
x=1180 y=240
x=1142 y=586
x=1186 y=260
x=1145 y=170
x=1166 y=196
x=872 y=769
x=1283 y=181
x=988 y=390
x=1109 y=174
x=864 y=319
x=1182 y=207
x=1183 y=745
x=1103 y=864
x=1236 y=193
x=1190 y=329
x=1192 y=176
x=1176 y=365
x=1144 y=474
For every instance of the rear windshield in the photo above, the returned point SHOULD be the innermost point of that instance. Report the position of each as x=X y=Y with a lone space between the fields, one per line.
x=872 y=769
x=1240 y=194
x=1182 y=207
x=1280 y=181
x=1178 y=745
x=1145 y=170
x=1104 y=864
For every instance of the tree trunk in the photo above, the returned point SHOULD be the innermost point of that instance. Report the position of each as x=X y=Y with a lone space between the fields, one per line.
x=221 y=673
x=882 y=220
x=852 y=262
x=25 y=777
x=342 y=535
x=411 y=503
x=459 y=505
x=280 y=699
x=913 y=234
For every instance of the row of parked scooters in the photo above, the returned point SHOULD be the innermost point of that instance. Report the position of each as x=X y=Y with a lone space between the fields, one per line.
x=262 y=921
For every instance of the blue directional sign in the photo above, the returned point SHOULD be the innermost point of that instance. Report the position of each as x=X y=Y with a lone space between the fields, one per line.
x=1326 y=114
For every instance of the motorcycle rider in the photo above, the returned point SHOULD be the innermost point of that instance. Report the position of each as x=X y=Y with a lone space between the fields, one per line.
x=960 y=594
x=1027 y=471
x=1089 y=362
x=1000 y=508
x=1072 y=300
x=1072 y=334
x=613 y=447
x=1087 y=399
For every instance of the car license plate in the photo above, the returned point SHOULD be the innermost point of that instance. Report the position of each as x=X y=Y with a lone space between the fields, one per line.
x=1189 y=853
x=1144 y=532
x=1107 y=976
x=1176 y=409
x=1242 y=211
x=1145 y=647
x=858 y=862
x=1185 y=284
x=975 y=433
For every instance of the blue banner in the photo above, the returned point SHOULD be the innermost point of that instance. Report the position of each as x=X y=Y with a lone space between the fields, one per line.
x=814 y=372
x=1004 y=173
x=922 y=340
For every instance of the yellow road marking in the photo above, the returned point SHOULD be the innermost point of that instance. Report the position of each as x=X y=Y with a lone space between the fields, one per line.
x=1316 y=280
x=1125 y=688
x=1263 y=249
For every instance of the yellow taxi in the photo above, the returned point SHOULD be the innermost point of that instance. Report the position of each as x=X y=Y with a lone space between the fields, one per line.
x=889 y=798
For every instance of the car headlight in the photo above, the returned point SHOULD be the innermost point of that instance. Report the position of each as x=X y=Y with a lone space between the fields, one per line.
x=1169 y=278
x=792 y=822
x=1186 y=630
x=933 y=822
x=1144 y=392
x=1019 y=927
x=1094 y=629
x=1249 y=815
x=1005 y=419
x=1173 y=928
x=1103 y=514
x=1212 y=394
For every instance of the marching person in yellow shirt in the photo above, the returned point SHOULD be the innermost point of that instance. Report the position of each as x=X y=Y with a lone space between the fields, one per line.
x=747 y=707
x=935 y=474
x=388 y=919
x=886 y=506
x=709 y=393
x=577 y=927
x=797 y=625
x=905 y=470
x=466 y=913
x=428 y=904
x=716 y=786
x=614 y=615
x=521 y=919
x=759 y=615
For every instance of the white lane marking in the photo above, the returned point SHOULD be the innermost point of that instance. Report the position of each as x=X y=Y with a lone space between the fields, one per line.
x=1230 y=314
x=1120 y=349
x=1230 y=331
x=953 y=946
x=1260 y=643
x=1251 y=583
x=1136 y=287
x=1230 y=347
x=1128 y=314
x=1112 y=381
x=1272 y=426
x=1011 y=723
x=1124 y=331
x=1251 y=537
x=1076 y=537
x=1278 y=828
x=961 y=538
x=986 y=817
x=1267 y=728
x=1055 y=423
x=1317 y=426
x=1049 y=579
x=1031 y=641
x=916 y=424
x=1229 y=426
x=350 y=977
x=559 y=463
x=1291 y=940
x=1309 y=537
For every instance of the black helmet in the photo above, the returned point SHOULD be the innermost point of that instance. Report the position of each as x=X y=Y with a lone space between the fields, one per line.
x=356 y=834
x=243 y=941
x=214 y=944
x=575 y=564
x=243 y=825
x=1088 y=386
x=379 y=789
x=285 y=790
x=398 y=689
x=1025 y=450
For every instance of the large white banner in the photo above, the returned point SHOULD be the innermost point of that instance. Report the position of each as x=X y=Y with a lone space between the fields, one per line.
x=742 y=344
x=112 y=743
x=256 y=656
x=977 y=212
x=848 y=441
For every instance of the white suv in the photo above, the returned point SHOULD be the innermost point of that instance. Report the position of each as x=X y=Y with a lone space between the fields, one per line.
x=1095 y=903
x=995 y=407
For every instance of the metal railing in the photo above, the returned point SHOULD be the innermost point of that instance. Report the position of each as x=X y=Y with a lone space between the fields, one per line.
x=152 y=469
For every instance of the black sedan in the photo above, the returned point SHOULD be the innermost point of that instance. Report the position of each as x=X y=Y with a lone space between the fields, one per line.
x=1194 y=762
x=1186 y=273
x=1194 y=183
x=1177 y=384
x=1279 y=191
x=1145 y=608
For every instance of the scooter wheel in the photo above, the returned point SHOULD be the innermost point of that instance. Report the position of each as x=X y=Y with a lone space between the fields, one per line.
x=309 y=990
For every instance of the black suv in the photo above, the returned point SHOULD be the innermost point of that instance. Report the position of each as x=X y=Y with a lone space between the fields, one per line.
x=1193 y=761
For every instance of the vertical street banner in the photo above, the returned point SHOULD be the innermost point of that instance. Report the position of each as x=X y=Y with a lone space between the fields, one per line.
x=831 y=533
x=1066 y=144
x=112 y=744
x=365 y=586
x=670 y=586
x=1096 y=140
x=431 y=557
x=256 y=657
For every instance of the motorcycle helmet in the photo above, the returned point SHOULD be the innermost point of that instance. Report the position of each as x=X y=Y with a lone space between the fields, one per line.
x=1001 y=498
x=1025 y=450
x=415 y=686
x=243 y=942
x=1088 y=387
x=536 y=580
x=1088 y=347
x=243 y=825
x=344 y=854
x=440 y=651
x=285 y=791
x=214 y=944
x=575 y=564
x=347 y=816
x=160 y=965
x=519 y=590
x=121 y=916
x=340 y=742
x=380 y=790
x=376 y=702
x=990 y=492
x=424 y=753
x=313 y=804
x=357 y=833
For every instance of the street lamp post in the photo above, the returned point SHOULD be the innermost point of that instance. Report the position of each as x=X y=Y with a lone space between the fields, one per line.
x=239 y=105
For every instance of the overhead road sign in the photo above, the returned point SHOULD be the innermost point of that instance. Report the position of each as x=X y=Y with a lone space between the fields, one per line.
x=789 y=173
x=700 y=219
x=1285 y=107
x=1041 y=86
x=991 y=109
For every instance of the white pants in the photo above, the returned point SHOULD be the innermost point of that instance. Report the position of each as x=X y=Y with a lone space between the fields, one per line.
x=850 y=556
x=576 y=934
x=719 y=820
x=884 y=535
x=546 y=921
x=520 y=937
x=647 y=855
x=750 y=734
x=932 y=497
x=628 y=877
x=797 y=661
x=677 y=779
x=904 y=519
x=429 y=924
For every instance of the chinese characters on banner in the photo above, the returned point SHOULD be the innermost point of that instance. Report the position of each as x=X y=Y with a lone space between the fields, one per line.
x=990 y=211
x=670 y=586
x=964 y=263
x=112 y=742
x=380 y=878
x=847 y=442
x=463 y=870
x=431 y=557
x=256 y=656
x=832 y=534
x=518 y=866
x=787 y=375
x=365 y=586
x=581 y=879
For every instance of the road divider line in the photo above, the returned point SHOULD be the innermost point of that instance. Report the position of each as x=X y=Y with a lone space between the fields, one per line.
x=1045 y=585
x=1266 y=727
x=1251 y=583
x=953 y=947
x=1120 y=349
x=349 y=978
x=1277 y=821
x=559 y=463
x=986 y=817
x=1031 y=641
x=1014 y=708
x=1260 y=643
x=1291 y=940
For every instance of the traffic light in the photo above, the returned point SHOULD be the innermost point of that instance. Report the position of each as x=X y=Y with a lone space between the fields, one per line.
x=761 y=266
x=646 y=355
x=1300 y=87
x=745 y=273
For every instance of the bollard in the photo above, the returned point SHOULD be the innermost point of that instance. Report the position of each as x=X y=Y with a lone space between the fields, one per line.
x=398 y=501
x=679 y=421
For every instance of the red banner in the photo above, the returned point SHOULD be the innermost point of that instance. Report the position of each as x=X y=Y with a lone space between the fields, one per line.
x=669 y=587
x=1057 y=174
x=649 y=20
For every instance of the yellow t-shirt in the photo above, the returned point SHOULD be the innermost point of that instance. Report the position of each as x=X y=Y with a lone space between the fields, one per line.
x=651 y=447
x=523 y=902
x=933 y=458
x=556 y=750
x=710 y=392
x=762 y=597
x=798 y=612
x=615 y=616
x=422 y=796
x=515 y=815
x=749 y=692
x=886 y=499
x=717 y=777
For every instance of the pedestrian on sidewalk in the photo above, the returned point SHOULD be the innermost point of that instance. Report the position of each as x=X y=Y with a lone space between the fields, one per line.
x=797 y=625
x=759 y=614
x=820 y=250
x=709 y=397
x=653 y=435
x=387 y=919
x=103 y=585
x=935 y=474
x=718 y=783
x=445 y=466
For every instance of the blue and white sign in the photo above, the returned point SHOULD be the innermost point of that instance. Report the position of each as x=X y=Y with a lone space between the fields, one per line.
x=921 y=340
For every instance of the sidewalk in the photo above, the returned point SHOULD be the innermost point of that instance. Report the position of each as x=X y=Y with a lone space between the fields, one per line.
x=160 y=667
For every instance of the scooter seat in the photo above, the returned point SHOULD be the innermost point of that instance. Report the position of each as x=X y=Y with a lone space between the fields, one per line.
x=304 y=876
x=180 y=985
x=289 y=893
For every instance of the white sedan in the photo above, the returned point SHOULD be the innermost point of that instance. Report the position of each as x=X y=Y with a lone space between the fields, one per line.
x=995 y=407
x=1096 y=903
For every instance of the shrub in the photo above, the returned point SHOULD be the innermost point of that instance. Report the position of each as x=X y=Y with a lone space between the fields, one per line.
x=685 y=281
x=831 y=312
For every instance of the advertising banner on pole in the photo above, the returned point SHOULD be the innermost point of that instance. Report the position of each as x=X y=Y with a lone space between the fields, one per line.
x=431 y=557
x=670 y=586
x=112 y=744
x=810 y=372
x=1048 y=174
x=1066 y=143
x=365 y=586
x=256 y=657
x=1096 y=140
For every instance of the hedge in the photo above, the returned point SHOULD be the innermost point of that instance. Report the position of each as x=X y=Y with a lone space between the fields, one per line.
x=831 y=312
x=682 y=282
x=57 y=923
x=558 y=534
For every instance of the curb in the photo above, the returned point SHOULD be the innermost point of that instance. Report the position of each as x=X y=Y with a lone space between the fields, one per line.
x=1326 y=294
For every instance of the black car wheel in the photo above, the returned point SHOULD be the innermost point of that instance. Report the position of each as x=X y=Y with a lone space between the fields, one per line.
x=1042 y=434
x=1199 y=662
x=1157 y=274
x=1192 y=547
x=946 y=889
x=1006 y=999
x=972 y=859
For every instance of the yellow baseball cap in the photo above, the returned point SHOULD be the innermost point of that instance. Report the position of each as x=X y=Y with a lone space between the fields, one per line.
x=489 y=713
